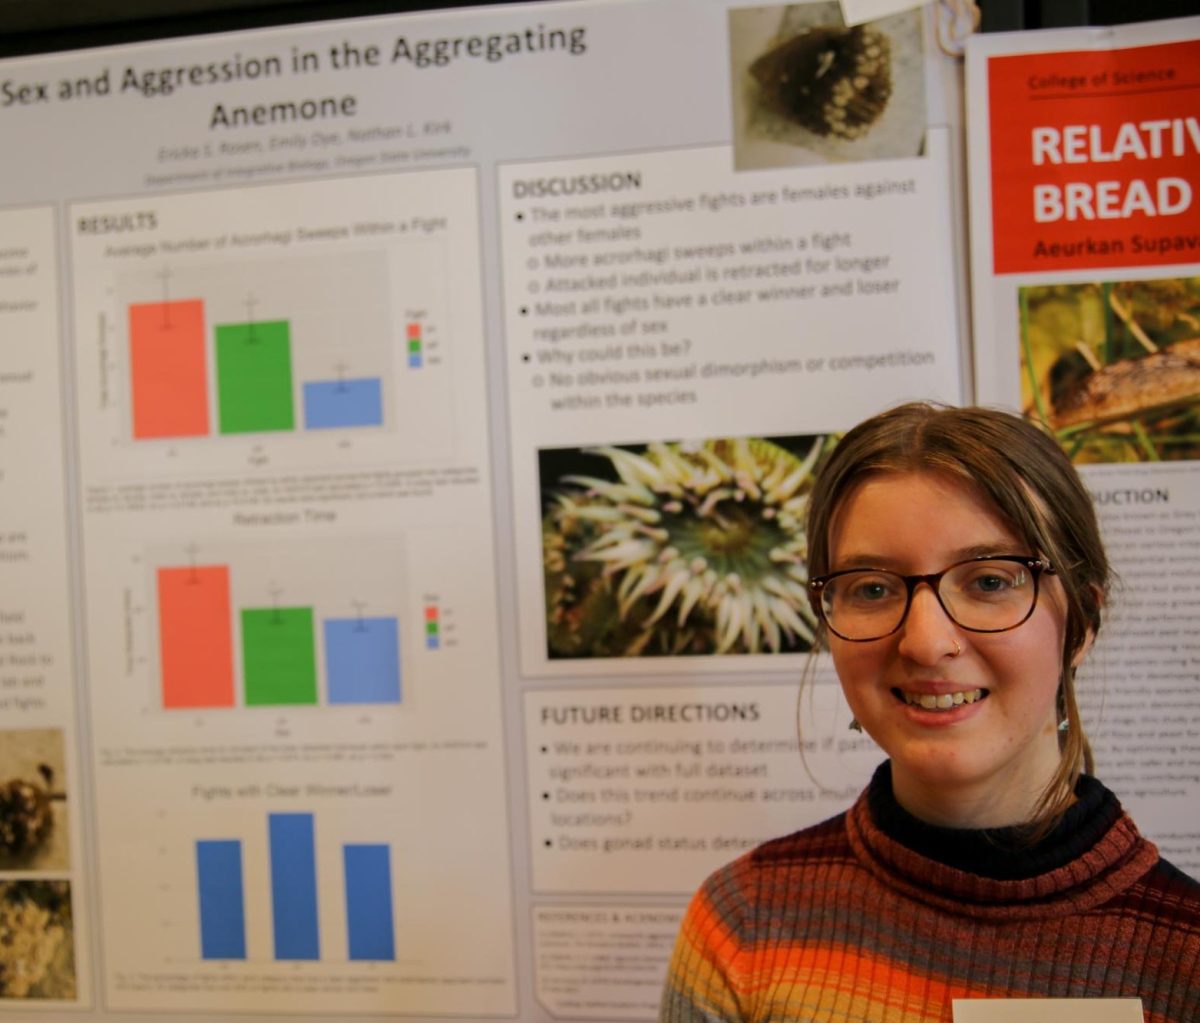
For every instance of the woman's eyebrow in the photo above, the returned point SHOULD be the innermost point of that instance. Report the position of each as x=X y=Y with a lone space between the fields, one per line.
x=1000 y=547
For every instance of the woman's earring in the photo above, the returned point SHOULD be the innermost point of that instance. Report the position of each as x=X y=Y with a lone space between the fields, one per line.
x=854 y=725
x=1064 y=725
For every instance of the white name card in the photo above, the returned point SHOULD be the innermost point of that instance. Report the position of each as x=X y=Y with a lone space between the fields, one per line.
x=1048 y=1010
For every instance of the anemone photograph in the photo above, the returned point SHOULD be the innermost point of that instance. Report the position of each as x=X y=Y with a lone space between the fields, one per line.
x=674 y=549
x=1113 y=368
x=33 y=808
x=811 y=89
x=37 y=957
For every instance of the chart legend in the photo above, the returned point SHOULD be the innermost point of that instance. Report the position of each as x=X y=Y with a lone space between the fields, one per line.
x=415 y=350
x=433 y=627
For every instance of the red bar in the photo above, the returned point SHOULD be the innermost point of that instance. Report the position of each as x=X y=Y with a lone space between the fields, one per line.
x=195 y=634
x=167 y=356
x=414 y=331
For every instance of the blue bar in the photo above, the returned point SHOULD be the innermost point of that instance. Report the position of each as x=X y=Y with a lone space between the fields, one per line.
x=432 y=643
x=362 y=660
x=369 y=902
x=294 y=886
x=222 y=908
x=414 y=361
x=334 y=403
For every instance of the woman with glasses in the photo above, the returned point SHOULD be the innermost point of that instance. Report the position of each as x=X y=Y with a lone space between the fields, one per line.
x=957 y=570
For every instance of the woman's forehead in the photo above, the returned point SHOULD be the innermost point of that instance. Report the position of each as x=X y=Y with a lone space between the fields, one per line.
x=894 y=513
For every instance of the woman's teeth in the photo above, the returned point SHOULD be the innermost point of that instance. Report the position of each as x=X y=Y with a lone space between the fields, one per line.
x=943 y=701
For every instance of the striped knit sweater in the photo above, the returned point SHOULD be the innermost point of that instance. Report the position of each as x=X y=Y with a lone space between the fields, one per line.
x=875 y=917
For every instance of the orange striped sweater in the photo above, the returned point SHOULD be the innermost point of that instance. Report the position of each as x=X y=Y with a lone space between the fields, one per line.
x=875 y=917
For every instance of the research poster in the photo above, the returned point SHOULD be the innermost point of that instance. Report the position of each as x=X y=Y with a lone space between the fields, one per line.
x=407 y=425
x=1084 y=156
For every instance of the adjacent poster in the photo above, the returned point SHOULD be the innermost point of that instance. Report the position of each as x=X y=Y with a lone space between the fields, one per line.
x=1084 y=150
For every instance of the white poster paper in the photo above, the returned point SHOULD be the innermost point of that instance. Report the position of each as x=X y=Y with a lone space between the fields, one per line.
x=329 y=350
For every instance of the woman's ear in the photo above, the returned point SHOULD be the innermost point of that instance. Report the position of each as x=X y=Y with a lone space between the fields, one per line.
x=1084 y=647
x=1090 y=636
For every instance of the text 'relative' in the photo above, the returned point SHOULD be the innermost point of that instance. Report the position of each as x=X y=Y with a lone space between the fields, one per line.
x=1094 y=156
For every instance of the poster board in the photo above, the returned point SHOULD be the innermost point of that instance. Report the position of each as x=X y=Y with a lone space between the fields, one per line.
x=372 y=681
x=1084 y=153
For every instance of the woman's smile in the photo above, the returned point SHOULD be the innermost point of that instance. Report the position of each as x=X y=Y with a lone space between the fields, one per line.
x=939 y=699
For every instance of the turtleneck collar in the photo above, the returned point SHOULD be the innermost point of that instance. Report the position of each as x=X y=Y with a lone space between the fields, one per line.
x=1093 y=854
x=998 y=853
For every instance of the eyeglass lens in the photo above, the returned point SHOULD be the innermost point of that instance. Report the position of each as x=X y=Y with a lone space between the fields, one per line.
x=985 y=596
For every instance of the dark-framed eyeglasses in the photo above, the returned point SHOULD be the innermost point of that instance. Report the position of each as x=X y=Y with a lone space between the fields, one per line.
x=993 y=593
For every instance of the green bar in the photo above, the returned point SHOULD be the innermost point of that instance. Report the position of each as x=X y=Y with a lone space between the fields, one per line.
x=431 y=628
x=279 y=654
x=414 y=345
x=254 y=377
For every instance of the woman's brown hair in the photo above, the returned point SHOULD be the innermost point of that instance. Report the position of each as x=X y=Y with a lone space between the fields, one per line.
x=1031 y=483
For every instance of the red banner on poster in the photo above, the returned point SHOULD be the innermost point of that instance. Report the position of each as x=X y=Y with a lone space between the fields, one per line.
x=1095 y=158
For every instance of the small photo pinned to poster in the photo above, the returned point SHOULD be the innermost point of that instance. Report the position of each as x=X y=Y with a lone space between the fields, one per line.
x=808 y=89
x=37 y=955
x=1112 y=368
x=33 y=809
x=675 y=549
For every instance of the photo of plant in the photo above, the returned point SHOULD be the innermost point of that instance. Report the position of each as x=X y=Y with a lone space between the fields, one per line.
x=1113 y=368
x=676 y=549
x=37 y=958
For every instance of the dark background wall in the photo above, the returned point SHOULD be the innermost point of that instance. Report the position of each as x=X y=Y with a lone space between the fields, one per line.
x=40 y=26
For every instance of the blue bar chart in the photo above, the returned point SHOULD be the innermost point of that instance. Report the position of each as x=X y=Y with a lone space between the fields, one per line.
x=296 y=911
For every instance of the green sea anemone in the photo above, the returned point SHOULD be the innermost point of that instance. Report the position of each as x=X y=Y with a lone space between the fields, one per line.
x=690 y=549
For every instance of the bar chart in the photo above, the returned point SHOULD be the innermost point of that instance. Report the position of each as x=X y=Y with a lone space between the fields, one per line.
x=297 y=325
x=282 y=625
x=366 y=891
x=296 y=344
